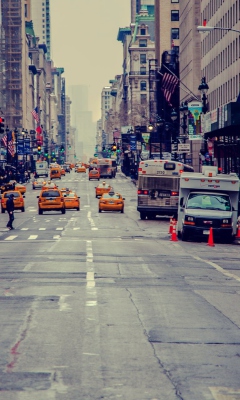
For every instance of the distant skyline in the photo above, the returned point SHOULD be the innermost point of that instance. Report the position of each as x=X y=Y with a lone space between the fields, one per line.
x=84 y=43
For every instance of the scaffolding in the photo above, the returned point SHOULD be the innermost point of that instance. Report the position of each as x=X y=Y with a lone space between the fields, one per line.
x=11 y=62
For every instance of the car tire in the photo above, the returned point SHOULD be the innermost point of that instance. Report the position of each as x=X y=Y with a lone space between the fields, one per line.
x=142 y=215
x=122 y=211
x=3 y=210
x=33 y=188
x=184 y=236
x=63 y=211
x=23 y=209
x=40 y=212
x=78 y=209
x=99 y=210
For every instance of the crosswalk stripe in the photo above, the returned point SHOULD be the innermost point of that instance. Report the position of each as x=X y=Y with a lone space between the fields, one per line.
x=32 y=237
x=10 y=237
x=24 y=229
x=42 y=229
x=56 y=237
x=59 y=229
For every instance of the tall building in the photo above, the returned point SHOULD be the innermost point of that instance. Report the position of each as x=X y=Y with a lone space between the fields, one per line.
x=220 y=65
x=40 y=14
x=190 y=62
x=82 y=120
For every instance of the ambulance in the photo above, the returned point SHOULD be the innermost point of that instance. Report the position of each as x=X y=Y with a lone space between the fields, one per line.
x=208 y=200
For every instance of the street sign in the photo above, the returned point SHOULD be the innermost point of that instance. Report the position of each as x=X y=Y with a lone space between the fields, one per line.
x=183 y=147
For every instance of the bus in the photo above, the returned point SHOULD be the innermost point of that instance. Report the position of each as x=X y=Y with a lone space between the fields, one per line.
x=104 y=166
x=158 y=187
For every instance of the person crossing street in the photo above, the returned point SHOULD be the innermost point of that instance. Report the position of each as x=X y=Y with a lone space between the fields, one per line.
x=10 y=210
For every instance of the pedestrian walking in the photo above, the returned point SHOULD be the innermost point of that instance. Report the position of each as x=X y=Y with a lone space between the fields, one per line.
x=10 y=210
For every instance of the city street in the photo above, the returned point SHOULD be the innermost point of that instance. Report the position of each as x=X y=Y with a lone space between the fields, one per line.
x=105 y=306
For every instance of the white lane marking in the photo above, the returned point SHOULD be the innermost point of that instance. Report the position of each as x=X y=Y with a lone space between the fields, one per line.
x=218 y=268
x=59 y=229
x=90 y=280
x=94 y=229
x=86 y=206
x=32 y=237
x=91 y=303
x=75 y=229
x=28 y=266
x=24 y=229
x=42 y=229
x=32 y=210
x=63 y=306
x=56 y=237
x=10 y=237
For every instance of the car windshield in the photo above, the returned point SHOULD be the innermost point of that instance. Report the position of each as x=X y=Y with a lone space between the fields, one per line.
x=111 y=195
x=51 y=193
x=15 y=194
x=209 y=201
x=72 y=195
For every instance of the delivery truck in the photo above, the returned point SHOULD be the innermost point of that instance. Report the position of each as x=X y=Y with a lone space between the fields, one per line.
x=208 y=200
x=41 y=169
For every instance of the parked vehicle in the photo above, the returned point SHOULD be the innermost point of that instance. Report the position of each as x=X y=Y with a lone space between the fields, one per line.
x=158 y=187
x=208 y=200
x=41 y=169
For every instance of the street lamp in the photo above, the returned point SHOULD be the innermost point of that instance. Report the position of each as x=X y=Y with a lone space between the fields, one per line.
x=203 y=88
x=202 y=28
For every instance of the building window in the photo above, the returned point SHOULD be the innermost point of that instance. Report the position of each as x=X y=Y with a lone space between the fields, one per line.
x=143 y=98
x=143 y=71
x=175 y=33
x=174 y=1
x=143 y=43
x=142 y=31
x=174 y=15
x=143 y=58
x=143 y=85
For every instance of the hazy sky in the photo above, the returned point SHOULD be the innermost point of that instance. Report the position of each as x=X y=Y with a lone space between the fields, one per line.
x=84 y=42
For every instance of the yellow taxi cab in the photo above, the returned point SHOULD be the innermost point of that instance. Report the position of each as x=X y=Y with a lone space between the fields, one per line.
x=93 y=174
x=49 y=185
x=102 y=188
x=21 y=188
x=71 y=200
x=81 y=168
x=51 y=200
x=111 y=202
x=65 y=191
x=63 y=172
x=55 y=173
x=38 y=183
x=18 y=200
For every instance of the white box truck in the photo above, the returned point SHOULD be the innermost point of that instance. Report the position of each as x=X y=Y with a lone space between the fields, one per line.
x=208 y=200
x=41 y=169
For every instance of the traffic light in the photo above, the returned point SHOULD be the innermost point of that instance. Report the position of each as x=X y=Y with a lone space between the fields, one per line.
x=1 y=125
x=46 y=151
x=62 y=148
x=53 y=153
x=39 y=149
x=114 y=147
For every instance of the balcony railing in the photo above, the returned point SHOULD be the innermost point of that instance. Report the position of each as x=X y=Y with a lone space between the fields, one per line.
x=138 y=73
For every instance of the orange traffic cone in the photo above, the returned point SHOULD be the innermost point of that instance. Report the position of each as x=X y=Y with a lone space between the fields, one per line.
x=210 y=238
x=170 y=226
x=174 y=233
x=238 y=230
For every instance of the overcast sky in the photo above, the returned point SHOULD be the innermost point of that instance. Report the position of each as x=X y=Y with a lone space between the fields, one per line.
x=84 y=42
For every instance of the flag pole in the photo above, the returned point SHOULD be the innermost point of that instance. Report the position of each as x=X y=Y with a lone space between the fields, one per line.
x=179 y=80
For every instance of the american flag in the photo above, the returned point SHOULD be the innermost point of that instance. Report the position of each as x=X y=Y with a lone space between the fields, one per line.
x=7 y=140
x=35 y=114
x=169 y=83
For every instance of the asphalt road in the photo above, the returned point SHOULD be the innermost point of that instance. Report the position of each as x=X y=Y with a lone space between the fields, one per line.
x=106 y=306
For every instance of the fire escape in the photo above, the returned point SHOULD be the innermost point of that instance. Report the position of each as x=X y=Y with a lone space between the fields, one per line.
x=11 y=62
